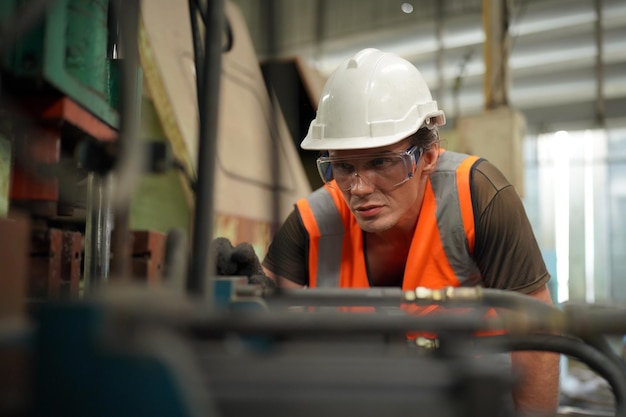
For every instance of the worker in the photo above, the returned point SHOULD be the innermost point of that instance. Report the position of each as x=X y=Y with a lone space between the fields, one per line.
x=398 y=210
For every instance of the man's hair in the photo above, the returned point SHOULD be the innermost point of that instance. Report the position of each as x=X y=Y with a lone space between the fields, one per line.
x=425 y=138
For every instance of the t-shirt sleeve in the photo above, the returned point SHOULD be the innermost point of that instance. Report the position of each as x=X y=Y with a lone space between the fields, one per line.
x=506 y=251
x=286 y=255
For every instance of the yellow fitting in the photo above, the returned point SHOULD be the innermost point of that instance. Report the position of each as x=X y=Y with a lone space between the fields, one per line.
x=426 y=343
x=438 y=295
x=423 y=293
x=410 y=296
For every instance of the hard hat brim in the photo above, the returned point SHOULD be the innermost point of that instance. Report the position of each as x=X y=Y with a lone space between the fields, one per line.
x=317 y=141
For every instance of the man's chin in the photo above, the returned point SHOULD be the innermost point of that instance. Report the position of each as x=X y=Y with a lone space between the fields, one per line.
x=373 y=225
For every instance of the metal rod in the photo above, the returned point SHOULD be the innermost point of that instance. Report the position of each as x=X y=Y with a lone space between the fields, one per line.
x=274 y=160
x=339 y=297
x=130 y=163
x=198 y=48
x=98 y=225
x=338 y=323
x=175 y=264
x=495 y=53
x=599 y=64
x=202 y=262
x=440 y=58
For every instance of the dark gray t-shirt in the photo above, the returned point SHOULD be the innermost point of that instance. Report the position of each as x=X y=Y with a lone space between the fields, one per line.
x=505 y=251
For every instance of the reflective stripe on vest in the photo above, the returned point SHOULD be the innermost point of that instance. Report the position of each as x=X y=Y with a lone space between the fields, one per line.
x=330 y=240
x=449 y=184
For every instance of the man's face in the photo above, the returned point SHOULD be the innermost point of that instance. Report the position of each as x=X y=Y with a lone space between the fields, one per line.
x=374 y=197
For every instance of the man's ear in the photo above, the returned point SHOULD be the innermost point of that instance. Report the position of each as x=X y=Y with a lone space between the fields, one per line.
x=429 y=158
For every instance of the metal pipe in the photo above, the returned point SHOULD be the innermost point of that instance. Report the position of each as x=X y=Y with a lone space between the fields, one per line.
x=583 y=320
x=98 y=225
x=345 y=323
x=175 y=263
x=449 y=296
x=130 y=163
x=338 y=297
x=439 y=58
x=274 y=162
x=198 y=49
x=202 y=263
x=599 y=64
x=320 y=29
x=517 y=301
x=496 y=78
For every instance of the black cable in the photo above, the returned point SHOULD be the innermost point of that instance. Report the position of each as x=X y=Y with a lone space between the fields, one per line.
x=323 y=323
x=592 y=322
x=130 y=161
x=517 y=301
x=203 y=13
x=198 y=49
x=569 y=346
x=202 y=262
x=343 y=297
x=271 y=11
x=588 y=319
x=191 y=182
x=599 y=342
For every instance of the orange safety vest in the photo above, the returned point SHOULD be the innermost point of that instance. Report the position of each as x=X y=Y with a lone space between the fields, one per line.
x=441 y=250
x=442 y=246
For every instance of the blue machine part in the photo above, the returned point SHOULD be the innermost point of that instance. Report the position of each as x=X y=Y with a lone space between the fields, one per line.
x=76 y=374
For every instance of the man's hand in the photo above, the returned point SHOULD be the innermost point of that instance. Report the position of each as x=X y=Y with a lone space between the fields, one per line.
x=239 y=260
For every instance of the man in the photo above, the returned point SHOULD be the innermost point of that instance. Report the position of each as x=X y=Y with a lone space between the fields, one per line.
x=398 y=210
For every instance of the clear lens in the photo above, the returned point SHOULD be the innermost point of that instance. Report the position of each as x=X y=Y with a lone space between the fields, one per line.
x=385 y=170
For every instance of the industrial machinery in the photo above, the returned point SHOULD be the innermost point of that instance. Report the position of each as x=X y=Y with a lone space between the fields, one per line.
x=100 y=317
x=134 y=351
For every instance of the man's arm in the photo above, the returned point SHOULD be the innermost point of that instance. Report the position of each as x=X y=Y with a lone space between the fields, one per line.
x=281 y=281
x=538 y=391
x=286 y=255
x=509 y=258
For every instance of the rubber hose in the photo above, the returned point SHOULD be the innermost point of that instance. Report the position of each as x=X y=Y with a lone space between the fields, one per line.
x=518 y=301
x=576 y=348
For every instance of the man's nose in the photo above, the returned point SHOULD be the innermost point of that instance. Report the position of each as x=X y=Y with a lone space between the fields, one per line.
x=360 y=184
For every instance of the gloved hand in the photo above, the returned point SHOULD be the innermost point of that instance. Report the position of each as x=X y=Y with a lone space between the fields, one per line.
x=239 y=260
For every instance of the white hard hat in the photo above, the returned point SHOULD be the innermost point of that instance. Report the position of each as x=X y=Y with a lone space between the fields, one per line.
x=373 y=99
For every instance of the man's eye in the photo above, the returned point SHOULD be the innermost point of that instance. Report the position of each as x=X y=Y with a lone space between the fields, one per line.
x=379 y=163
x=342 y=168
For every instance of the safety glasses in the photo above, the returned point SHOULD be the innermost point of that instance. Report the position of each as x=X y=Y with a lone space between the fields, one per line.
x=385 y=170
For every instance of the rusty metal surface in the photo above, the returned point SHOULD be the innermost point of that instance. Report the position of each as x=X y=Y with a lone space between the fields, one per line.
x=45 y=263
x=71 y=258
x=55 y=264
x=45 y=178
x=14 y=242
x=148 y=255
x=34 y=150
x=64 y=110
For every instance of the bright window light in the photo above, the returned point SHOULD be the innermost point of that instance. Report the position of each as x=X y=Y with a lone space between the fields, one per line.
x=560 y=152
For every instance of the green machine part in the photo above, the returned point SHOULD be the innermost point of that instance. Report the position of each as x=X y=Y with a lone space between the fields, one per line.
x=69 y=50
